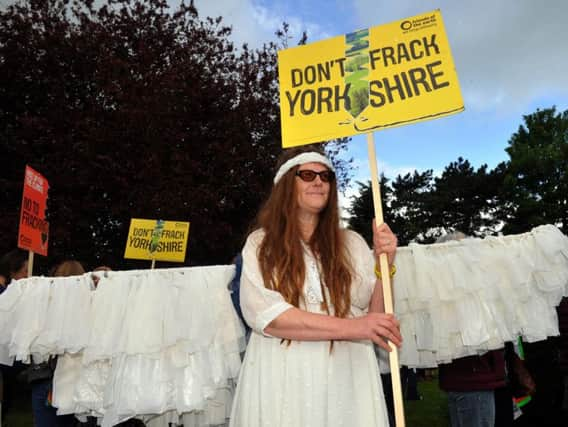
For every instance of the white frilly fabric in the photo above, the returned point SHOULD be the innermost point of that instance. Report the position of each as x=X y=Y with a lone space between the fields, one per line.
x=466 y=297
x=161 y=345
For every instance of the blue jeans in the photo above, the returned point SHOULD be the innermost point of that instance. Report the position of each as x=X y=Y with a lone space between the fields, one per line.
x=45 y=414
x=471 y=408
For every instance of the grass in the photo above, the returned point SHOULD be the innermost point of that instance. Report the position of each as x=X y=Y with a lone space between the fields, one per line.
x=432 y=410
x=20 y=412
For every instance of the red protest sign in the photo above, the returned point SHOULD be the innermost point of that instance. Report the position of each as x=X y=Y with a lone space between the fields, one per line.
x=34 y=229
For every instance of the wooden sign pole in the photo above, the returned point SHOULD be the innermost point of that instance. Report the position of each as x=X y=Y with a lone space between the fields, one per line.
x=30 y=263
x=387 y=289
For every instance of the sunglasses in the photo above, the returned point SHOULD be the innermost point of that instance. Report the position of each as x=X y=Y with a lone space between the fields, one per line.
x=309 y=175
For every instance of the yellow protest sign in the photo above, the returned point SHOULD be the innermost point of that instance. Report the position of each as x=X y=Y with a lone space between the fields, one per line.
x=384 y=76
x=158 y=240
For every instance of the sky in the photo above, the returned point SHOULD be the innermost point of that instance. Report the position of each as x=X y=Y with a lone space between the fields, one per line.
x=510 y=56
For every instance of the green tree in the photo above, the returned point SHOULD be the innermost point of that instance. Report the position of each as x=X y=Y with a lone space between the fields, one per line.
x=528 y=190
x=535 y=178
x=131 y=109
x=411 y=206
x=405 y=207
x=362 y=210
x=419 y=207
x=464 y=199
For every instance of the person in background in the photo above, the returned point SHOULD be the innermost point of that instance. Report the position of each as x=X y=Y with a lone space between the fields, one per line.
x=542 y=361
x=520 y=384
x=40 y=375
x=96 y=277
x=13 y=266
x=563 y=347
x=68 y=268
x=471 y=381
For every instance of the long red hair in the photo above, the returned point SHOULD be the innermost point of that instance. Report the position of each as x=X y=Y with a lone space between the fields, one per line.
x=281 y=253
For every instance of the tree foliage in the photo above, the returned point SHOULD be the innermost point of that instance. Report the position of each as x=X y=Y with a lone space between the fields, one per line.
x=362 y=210
x=411 y=195
x=131 y=109
x=464 y=199
x=528 y=190
x=536 y=178
x=420 y=207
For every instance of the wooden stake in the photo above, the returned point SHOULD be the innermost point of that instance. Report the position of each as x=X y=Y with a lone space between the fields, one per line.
x=30 y=263
x=387 y=289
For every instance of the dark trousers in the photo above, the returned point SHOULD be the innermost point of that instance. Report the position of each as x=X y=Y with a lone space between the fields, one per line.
x=44 y=414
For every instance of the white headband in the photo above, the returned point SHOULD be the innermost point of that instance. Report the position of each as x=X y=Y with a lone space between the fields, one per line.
x=300 y=159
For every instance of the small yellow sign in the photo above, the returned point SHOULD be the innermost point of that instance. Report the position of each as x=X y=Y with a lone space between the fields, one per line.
x=375 y=78
x=158 y=240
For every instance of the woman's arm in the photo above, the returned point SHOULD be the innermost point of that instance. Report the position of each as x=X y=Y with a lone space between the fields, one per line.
x=266 y=311
x=377 y=303
x=300 y=325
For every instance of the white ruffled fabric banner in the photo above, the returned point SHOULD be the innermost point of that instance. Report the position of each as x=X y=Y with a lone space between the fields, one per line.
x=145 y=343
x=164 y=345
x=462 y=298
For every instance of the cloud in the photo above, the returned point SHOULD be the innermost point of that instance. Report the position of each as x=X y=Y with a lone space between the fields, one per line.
x=362 y=174
x=255 y=22
x=507 y=53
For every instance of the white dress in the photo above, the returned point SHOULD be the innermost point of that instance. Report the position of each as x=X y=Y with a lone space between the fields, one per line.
x=304 y=384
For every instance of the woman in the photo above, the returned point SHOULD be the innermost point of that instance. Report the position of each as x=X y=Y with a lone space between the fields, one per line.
x=310 y=294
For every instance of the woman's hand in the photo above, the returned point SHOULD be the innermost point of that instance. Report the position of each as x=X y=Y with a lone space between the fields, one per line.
x=384 y=241
x=378 y=327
